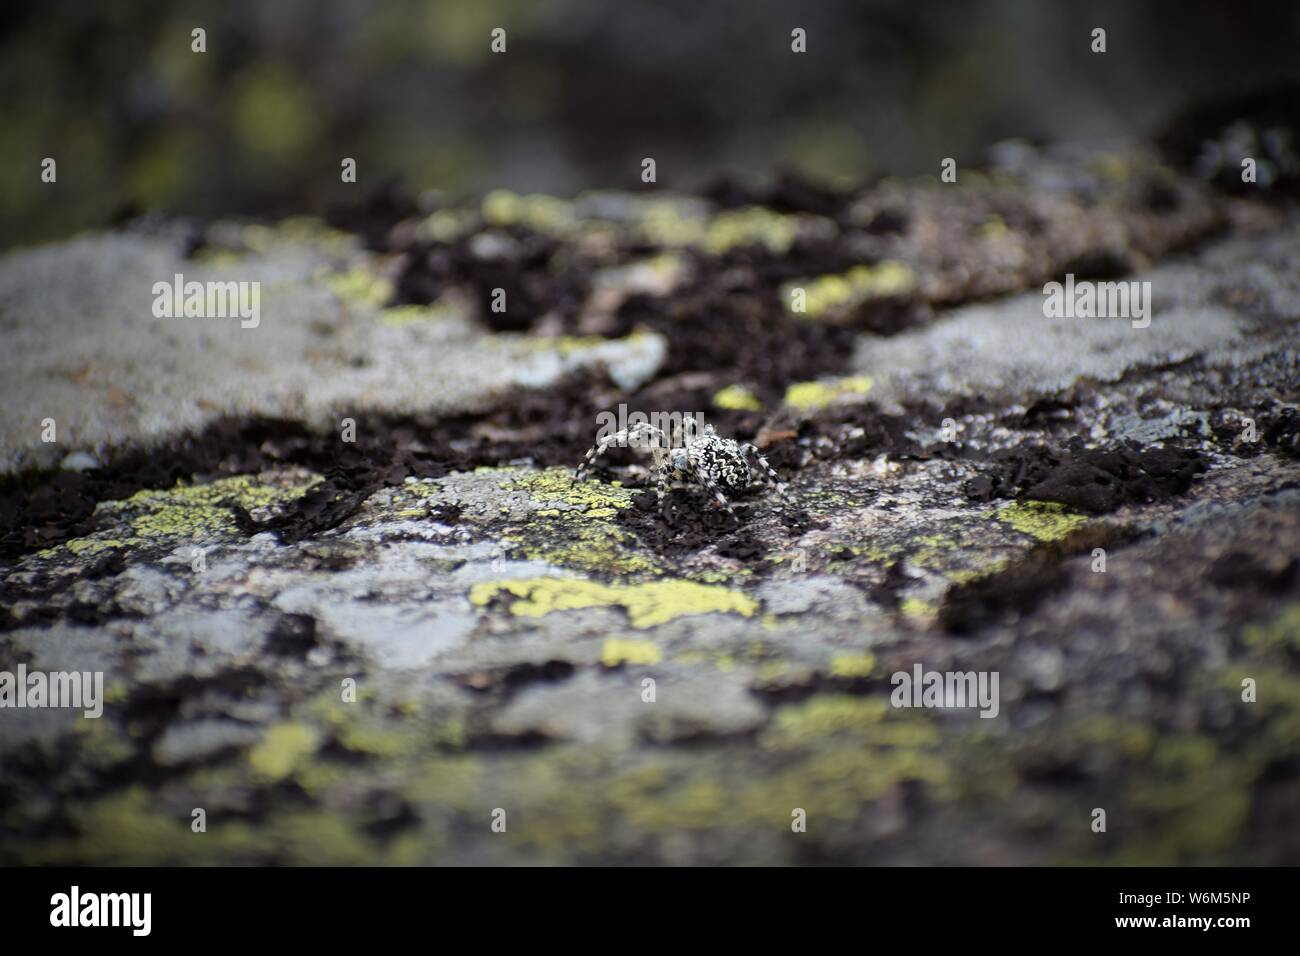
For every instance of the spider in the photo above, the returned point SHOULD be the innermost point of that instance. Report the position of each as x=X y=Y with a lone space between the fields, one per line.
x=719 y=465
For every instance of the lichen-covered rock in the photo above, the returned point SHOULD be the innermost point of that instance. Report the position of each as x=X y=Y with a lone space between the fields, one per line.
x=361 y=653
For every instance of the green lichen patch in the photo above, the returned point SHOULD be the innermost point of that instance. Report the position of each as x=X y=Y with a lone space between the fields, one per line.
x=404 y=315
x=195 y=510
x=1279 y=634
x=446 y=225
x=967 y=576
x=737 y=398
x=597 y=499
x=810 y=396
x=1172 y=797
x=1277 y=695
x=558 y=344
x=934 y=550
x=284 y=750
x=298 y=231
x=666 y=222
x=1188 y=801
x=400 y=730
x=89 y=547
x=360 y=286
x=843 y=752
x=751 y=226
x=626 y=650
x=993 y=229
x=578 y=541
x=837 y=294
x=577 y=533
x=1044 y=521
x=647 y=604
x=539 y=212
x=188 y=512
x=826 y=715
x=134 y=827
x=918 y=609
x=853 y=666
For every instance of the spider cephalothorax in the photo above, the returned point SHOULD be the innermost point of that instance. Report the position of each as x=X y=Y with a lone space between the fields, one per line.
x=720 y=466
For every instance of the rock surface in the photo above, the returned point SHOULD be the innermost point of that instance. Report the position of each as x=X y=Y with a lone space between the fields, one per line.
x=370 y=652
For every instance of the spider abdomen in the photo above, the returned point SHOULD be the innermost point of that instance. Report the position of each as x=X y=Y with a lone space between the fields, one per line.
x=722 y=462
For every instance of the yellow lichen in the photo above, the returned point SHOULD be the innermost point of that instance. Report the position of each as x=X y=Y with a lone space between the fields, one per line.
x=668 y=223
x=853 y=665
x=560 y=344
x=445 y=225
x=624 y=650
x=841 y=292
x=647 y=604
x=810 y=723
x=88 y=547
x=737 y=398
x=1281 y=632
x=579 y=535
x=752 y=225
x=283 y=750
x=541 y=213
x=583 y=540
x=401 y=315
x=809 y=396
x=934 y=550
x=195 y=510
x=360 y=287
x=187 y=511
x=662 y=221
x=558 y=485
x=917 y=608
x=1046 y=521
x=298 y=230
x=971 y=575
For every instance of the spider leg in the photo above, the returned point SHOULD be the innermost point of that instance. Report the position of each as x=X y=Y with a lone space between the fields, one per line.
x=749 y=450
x=661 y=487
x=624 y=437
x=711 y=487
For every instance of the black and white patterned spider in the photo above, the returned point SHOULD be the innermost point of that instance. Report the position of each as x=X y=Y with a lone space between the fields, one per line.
x=720 y=466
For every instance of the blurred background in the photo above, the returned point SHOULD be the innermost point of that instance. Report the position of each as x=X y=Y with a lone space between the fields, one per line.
x=257 y=126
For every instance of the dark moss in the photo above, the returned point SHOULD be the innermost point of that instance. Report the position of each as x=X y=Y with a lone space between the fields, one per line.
x=1095 y=480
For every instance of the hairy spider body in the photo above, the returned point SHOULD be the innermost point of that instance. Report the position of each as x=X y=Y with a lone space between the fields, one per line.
x=720 y=466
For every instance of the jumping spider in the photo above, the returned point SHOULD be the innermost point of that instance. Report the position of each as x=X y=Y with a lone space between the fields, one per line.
x=718 y=465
